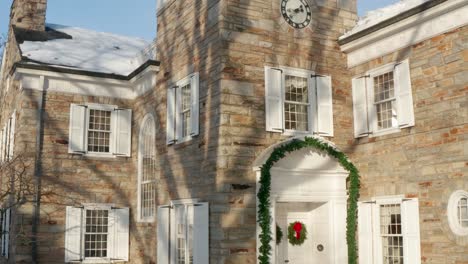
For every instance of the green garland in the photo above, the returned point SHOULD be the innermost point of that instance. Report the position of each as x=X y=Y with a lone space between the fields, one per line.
x=279 y=235
x=292 y=235
x=264 y=219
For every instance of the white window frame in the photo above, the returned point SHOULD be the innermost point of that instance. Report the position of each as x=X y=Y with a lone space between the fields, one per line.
x=141 y=145
x=364 y=106
x=174 y=111
x=115 y=226
x=112 y=135
x=167 y=227
x=373 y=249
x=452 y=213
x=319 y=86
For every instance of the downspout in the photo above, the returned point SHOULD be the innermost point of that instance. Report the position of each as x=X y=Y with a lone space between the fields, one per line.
x=38 y=172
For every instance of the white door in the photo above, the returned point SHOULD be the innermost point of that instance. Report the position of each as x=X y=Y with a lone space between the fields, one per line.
x=315 y=249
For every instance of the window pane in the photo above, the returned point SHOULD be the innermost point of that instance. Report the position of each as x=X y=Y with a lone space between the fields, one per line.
x=99 y=131
x=296 y=89
x=95 y=244
x=296 y=116
x=185 y=110
x=390 y=232
x=296 y=103
x=148 y=169
x=384 y=99
x=463 y=212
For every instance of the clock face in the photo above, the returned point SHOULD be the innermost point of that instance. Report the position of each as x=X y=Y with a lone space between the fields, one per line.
x=296 y=12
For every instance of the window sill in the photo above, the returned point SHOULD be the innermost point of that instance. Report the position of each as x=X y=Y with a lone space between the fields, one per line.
x=99 y=261
x=183 y=140
x=294 y=133
x=384 y=132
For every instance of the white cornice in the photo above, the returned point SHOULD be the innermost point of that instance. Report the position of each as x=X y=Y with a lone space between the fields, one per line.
x=432 y=22
x=87 y=85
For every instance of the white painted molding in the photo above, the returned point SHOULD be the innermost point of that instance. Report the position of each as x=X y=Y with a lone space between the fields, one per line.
x=87 y=85
x=425 y=25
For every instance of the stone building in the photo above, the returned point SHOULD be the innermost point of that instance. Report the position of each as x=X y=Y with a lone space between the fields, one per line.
x=160 y=157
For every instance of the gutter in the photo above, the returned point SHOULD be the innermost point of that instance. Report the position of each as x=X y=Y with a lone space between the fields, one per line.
x=37 y=175
x=24 y=63
x=411 y=12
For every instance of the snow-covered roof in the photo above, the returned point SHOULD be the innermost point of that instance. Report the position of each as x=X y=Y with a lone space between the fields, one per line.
x=89 y=50
x=376 y=16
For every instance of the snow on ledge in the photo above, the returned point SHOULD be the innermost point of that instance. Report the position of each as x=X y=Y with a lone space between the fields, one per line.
x=90 y=50
x=376 y=16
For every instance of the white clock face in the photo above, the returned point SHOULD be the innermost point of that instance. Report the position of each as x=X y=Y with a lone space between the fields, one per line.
x=296 y=12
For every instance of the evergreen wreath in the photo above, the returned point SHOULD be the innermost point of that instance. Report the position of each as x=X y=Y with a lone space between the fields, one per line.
x=292 y=234
x=264 y=219
x=279 y=235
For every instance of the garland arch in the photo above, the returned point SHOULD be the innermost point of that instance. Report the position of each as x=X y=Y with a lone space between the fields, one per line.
x=263 y=195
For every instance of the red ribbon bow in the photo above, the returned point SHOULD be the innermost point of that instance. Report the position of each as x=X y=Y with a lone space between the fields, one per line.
x=297 y=227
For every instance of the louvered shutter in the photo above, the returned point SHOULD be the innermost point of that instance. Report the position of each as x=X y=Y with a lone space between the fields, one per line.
x=195 y=107
x=12 y=135
x=178 y=108
x=73 y=230
x=6 y=233
x=273 y=100
x=365 y=235
x=77 y=133
x=170 y=124
x=121 y=234
x=324 y=106
x=123 y=132
x=405 y=110
x=410 y=230
x=200 y=233
x=371 y=108
x=361 y=125
x=163 y=234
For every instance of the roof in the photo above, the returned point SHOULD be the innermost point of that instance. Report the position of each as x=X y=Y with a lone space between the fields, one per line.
x=78 y=49
x=383 y=17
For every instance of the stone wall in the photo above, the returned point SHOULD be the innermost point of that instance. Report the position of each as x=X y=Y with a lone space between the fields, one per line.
x=427 y=161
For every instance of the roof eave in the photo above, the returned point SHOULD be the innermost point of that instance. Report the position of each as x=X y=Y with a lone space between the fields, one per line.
x=390 y=21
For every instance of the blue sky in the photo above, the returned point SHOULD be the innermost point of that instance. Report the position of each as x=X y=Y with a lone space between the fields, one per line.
x=120 y=16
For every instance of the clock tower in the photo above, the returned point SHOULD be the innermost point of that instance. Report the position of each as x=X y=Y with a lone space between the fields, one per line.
x=230 y=44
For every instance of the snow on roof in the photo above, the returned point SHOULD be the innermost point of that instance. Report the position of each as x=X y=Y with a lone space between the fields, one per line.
x=89 y=50
x=376 y=16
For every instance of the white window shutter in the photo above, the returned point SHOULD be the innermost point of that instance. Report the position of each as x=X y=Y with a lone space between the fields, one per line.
x=77 y=133
x=361 y=125
x=6 y=233
x=170 y=124
x=121 y=234
x=365 y=236
x=1 y=145
x=73 y=229
x=410 y=229
x=274 y=100
x=12 y=135
x=195 y=105
x=201 y=233
x=178 y=119
x=163 y=234
x=123 y=132
x=324 y=106
x=405 y=111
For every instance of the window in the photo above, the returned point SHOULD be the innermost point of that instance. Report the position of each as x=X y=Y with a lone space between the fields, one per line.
x=5 y=231
x=182 y=233
x=95 y=233
x=388 y=231
x=147 y=169
x=100 y=130
x=183 y=110
x=382 y=100
x=457 y=212
x=7 y=139
x=298 y=102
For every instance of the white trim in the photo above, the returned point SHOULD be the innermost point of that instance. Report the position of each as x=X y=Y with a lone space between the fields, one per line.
x=454 y=224
x=88 y=85
x=432 y=22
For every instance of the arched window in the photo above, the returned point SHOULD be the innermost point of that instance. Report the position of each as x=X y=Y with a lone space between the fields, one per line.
x=147 y=169
x=457 y=212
